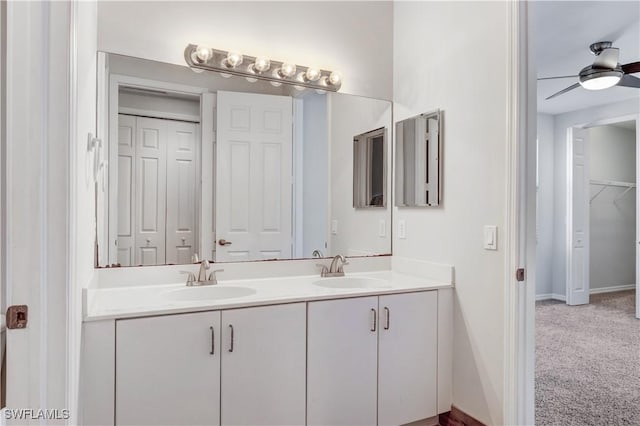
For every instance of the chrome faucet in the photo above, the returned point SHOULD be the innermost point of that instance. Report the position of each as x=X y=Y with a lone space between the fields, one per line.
x=202 y=278
x=336 y=267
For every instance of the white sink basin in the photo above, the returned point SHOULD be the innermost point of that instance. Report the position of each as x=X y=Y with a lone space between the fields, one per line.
x=352 y=282
x=213 y=292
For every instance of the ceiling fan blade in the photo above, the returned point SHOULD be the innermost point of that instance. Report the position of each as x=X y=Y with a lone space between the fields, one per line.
x=631 y=68
x=573 y=86
x=608 y=58
x=562 y=76
x=629 y=81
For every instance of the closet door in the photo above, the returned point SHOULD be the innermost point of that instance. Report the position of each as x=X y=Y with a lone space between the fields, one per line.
x=151 y=191
x=126 y=189
x=182 y=226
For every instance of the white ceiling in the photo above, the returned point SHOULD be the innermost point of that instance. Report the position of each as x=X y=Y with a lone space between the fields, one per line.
x=562 y=33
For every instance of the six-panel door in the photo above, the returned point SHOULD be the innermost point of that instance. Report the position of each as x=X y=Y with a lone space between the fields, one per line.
x=263 y=365
x=168 y=370
x=407 y=357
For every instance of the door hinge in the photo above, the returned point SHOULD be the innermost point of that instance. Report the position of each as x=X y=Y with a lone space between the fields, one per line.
x=520 y=274
x=17 y=316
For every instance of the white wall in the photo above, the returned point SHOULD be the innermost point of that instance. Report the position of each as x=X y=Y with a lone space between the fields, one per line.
x=544 y=216
x=562 y=123
x=155 y=106
x=354 y=38
x=358 y=229
x=315 y=170
x=612 y=156
x=458 y=37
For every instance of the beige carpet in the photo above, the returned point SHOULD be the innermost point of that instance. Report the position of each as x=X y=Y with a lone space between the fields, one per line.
x=588 y=362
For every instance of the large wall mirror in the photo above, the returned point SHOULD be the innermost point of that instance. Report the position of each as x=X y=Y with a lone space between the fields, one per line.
x=418 y=160
x=233 y=170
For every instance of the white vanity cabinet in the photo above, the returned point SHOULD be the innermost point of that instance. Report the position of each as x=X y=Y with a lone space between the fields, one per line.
x=263 y=365
x=372 y=360
x=168 y=370
x=239 y=367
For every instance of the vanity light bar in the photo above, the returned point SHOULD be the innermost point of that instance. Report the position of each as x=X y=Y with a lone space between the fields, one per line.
x=254 y=69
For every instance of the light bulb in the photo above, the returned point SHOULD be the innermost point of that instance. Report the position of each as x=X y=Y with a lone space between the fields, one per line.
x=335 y=79
x=287 y=70
x=261 y=65
x=233 y=60
x=202 y=54
x=312 y=74
x=600 y=83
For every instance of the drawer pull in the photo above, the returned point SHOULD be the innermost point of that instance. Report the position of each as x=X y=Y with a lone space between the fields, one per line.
x=374 y=327
x=388 y=314
x=231 y=345
x=213 y=341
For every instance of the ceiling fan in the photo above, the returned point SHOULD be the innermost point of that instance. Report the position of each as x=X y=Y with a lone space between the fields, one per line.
x=605 y=71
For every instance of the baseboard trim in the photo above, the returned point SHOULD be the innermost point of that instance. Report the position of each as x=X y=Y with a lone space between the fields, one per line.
x=563 y=298
x=612 y=289
x=550 y=296
x=457 y=417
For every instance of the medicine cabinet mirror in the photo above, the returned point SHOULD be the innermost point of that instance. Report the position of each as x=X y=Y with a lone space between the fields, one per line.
x=370 y=169
x=418 y=160
x=233 y=170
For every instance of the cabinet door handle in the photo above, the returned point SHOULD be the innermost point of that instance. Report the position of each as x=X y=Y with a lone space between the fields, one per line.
x=388 y=314
x=213 y=341
x=374 y=327
x=231 y=345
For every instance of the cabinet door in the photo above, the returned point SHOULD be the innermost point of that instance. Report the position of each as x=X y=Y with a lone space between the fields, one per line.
x=407 y=357
x=342 y=362
x=166 y=372
x=263 y=365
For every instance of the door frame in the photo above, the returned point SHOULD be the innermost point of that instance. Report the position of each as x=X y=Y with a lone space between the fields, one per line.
x=109 y=86
x=568 y=245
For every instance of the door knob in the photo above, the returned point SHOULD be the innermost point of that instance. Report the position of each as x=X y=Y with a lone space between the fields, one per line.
x=224 y=242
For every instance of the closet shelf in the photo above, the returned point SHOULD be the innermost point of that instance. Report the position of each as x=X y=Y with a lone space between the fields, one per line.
x=611 y=183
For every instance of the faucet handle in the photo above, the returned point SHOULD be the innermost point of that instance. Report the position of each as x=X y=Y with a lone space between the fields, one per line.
x=212 y=275
x=191 y=277
x=324 y=270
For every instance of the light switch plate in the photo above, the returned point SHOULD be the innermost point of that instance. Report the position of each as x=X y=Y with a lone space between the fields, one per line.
x=382 y=228
x=334 y=227
x=402 y=229
x=491 y=237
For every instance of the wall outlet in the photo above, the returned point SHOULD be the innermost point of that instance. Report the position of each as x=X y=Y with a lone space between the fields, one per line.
x=491 y=237
x=334 y=227
x=382 y=228
x=402 y=229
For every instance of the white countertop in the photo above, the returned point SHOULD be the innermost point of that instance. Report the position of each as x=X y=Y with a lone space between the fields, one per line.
x=139 y=301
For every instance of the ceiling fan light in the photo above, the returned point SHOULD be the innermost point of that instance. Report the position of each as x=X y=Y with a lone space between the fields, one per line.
x=600 y=80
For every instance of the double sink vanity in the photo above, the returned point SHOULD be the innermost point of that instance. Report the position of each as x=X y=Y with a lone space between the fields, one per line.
x=370 y=347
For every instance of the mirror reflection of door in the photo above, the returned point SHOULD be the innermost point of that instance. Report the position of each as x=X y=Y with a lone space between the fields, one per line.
x=254 y=154
x=369 y=169
x=157 y=207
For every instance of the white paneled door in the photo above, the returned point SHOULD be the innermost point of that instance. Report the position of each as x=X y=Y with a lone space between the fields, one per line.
x=157 y=208
x=150 y=191
x=182 y=237
x=578 y=223
x=254 y=149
